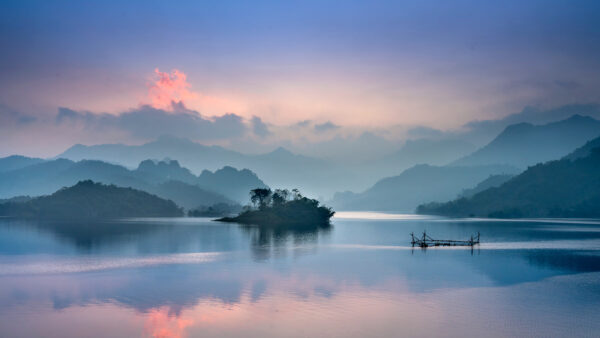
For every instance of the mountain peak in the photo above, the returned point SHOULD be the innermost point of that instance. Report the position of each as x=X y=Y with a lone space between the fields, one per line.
x=151 y=164
x=281 y=151
x=579 y=118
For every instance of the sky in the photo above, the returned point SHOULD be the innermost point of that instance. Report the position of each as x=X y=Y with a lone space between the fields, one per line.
x=283 y=72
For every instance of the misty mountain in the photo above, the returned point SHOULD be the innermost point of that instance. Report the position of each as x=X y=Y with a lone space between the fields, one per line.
x=483 y=131
x=561 y=188
x=187 y=195
x=233 y=183
x=165 y=179
x=419 y=151
x=228 y=181
x=87 y=199
x=524 y=144
x=585 y=150
x=416 y=185
x=47 y=177
x=490 y=182
x=279 y=167
x=17 y=162
x=165 y=147
x=160 y=171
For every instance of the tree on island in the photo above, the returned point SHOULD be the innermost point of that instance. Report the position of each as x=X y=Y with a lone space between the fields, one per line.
x=282 y=207
x=260 y=197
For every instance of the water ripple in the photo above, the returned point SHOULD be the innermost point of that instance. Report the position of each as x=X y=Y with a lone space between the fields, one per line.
x=85 y=264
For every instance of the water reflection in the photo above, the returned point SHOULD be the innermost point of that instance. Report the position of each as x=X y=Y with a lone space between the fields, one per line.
x=196 y=277
x=268 y=241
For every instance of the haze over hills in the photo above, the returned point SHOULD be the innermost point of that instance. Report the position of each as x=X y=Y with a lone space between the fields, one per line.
x=279 y=167
x=584 y=150
x=165 y=179
x=360 y=161
x=412 y=187
x=524 y=144
x=517 y=147
x=420 y=151
x=561 y=188
x=16 y=162
x=490 y=182
x=484 y=131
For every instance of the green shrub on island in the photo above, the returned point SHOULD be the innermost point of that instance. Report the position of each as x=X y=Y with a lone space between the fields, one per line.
x=282 y=207
x=215 y=210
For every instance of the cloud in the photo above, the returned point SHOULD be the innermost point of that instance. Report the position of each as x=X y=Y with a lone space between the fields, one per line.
x=147 y=122
x=259 y=127
x=168 y=88
x=327 y=126
x=423 y=131
x=9 y=116
x=302 y=124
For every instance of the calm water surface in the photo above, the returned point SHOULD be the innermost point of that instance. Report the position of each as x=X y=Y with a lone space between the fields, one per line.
x=192 y=277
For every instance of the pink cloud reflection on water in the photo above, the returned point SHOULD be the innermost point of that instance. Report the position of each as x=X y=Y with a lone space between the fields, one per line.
x=306 y=305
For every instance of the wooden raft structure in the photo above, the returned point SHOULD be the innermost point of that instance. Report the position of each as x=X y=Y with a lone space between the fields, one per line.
x=426 y=241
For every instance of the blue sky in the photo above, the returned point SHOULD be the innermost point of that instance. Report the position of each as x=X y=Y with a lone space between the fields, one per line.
x=361 y=64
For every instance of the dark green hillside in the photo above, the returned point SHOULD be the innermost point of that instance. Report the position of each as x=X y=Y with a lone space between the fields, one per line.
x=562 y=188
x=490 y=182
x=87 y=199
x=585 y=150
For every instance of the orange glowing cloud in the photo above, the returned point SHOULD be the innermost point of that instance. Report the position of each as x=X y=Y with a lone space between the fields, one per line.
x=170 y=88
x=167 y=91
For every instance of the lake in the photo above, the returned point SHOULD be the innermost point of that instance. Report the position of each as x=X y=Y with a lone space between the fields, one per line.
x=192 y=277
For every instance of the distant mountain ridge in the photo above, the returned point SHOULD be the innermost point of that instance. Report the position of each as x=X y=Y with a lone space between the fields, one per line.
x=165 y=179
x=279 y=167
x=524 y=144
x=417 y=185
x=490 y=182
x=560 y=188
x=17 y=162
x=518 y=146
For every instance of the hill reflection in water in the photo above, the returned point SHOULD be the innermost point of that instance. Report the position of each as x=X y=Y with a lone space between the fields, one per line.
x=197 y=277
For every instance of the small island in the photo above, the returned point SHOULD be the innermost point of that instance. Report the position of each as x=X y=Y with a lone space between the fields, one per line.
x=282 y=208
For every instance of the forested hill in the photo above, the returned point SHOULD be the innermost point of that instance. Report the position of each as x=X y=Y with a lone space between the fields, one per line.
x=87 y=199
x=562 y=188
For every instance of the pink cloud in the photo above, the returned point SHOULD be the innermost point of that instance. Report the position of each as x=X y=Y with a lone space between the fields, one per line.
x=172 y=92
x=170 y=88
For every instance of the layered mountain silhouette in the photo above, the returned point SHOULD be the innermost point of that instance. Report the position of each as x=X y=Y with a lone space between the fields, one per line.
x=490 y=182
x=585 y=150
x=561 y=188
x=417 y=185
x=17 y=162
x=524 y=144
x=166 y=179
x=517 y=147
x=279 y=167
x=87 y=199
x=431 y=151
